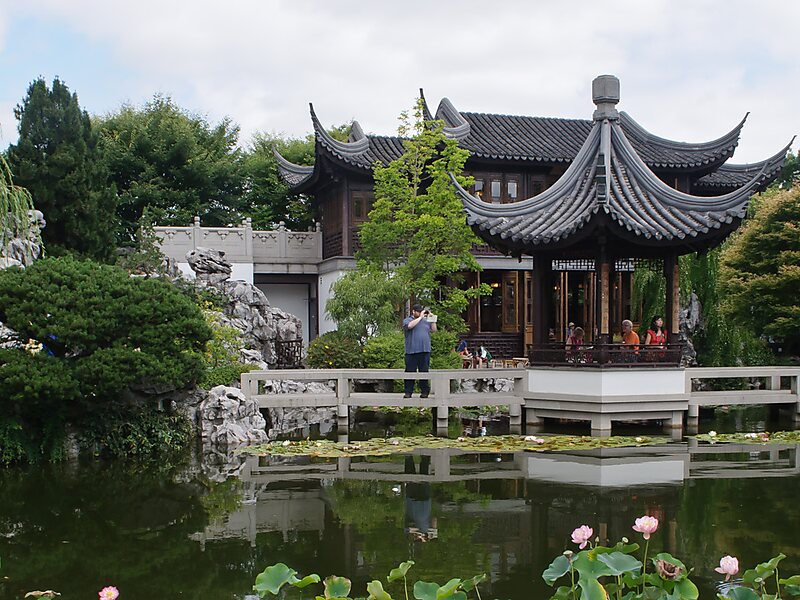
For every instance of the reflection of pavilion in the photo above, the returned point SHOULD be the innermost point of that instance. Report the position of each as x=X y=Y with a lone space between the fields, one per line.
x=538 y=480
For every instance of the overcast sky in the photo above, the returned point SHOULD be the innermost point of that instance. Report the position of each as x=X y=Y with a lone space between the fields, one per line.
x=689 y=70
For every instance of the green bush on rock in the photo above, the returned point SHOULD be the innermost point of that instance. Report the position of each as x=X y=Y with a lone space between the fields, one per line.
x=94 y=333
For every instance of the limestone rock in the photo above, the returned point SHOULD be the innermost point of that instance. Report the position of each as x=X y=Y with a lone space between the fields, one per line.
x=228 y=417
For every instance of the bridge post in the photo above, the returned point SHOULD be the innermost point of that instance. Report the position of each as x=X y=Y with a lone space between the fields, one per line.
x=441 y=389
x=795 y=379
x=515 y=418
x=342 y=407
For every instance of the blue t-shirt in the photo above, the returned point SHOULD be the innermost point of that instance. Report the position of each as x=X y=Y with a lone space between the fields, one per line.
x=418 y=338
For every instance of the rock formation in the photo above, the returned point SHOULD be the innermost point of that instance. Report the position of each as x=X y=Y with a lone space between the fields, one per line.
x=263 y=326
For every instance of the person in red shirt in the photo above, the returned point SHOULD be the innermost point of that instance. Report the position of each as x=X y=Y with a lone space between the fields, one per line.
x=656 y=336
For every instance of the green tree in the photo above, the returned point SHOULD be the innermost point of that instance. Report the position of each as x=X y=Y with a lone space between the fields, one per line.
x=416 y=229
x=95 y=332
x=790 y=170
x=266 y=197
x=55 y=159
x=176 y=164
x=760 y=269
x=366 y=302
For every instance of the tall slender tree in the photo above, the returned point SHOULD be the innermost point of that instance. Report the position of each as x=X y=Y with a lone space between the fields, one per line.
x=417 y=229
x=55 y=159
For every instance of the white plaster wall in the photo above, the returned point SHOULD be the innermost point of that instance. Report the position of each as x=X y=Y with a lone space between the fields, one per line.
x=239 y=271
x=605 y=382
x=325 y=282
x=291 y=297
x=610 y=474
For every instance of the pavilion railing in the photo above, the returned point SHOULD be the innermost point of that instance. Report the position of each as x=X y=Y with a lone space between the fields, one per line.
x=594 y=355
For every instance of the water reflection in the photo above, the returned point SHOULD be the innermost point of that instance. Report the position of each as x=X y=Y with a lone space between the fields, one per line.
x=191 y=530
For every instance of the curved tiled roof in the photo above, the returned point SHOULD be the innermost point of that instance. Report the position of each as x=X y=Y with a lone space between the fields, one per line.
x=363 y=151
x=533 y=139
x=630 y=201
x=659 y=152
x=731 y=176
x=291 y=173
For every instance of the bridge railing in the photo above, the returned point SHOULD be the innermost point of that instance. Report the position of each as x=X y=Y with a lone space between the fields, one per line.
x=343 y=396
x=781 y=385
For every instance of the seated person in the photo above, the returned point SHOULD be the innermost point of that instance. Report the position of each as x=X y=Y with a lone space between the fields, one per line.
x=574 y=345
x=484 y=356
x=464 y=353
x=629 y=338
x=656 y=336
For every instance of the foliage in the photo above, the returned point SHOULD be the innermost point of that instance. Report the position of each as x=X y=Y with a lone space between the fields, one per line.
x=366 y=302
x=790 y=171
x=760 y=270
x=276 y=576
x=648 y=294
x=178 y=164
x=15 y=204
x=719 y=342
x=503 y=443
x=221 y=358
x=333 y=350
x=99 y=333
x=266 y=197
x=55 y=158
x=135 y=431
x=143 y=256
x=387 y=351
x=416 y=229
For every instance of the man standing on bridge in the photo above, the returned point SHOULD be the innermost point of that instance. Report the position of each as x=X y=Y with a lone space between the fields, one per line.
x=417 y=329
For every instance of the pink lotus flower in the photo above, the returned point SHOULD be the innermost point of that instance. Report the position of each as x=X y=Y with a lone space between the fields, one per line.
x=728 y=565
x=109 y=593
x=582 y=535
x=646 y=525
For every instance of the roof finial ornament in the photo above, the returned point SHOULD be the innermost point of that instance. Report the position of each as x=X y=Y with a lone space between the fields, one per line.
x=605 y=95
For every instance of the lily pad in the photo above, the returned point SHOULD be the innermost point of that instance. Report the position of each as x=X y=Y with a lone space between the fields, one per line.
x=760 y=438
x=492 y=444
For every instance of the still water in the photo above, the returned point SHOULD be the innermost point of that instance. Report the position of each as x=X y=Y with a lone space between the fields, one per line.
x=199 y=530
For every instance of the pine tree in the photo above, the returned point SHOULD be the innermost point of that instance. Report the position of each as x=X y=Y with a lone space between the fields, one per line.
x=54 y=159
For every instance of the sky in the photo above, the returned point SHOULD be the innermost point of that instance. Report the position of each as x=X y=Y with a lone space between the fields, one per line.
x=689 y=69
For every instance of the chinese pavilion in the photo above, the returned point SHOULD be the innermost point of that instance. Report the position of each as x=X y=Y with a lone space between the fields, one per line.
x=579 y=201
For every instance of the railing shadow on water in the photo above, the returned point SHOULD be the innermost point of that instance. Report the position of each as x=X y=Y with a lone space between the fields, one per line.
x=599 y=356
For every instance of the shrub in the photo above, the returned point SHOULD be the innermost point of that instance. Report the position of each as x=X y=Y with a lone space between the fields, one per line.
x=135 y=431
x=221 y=358
x=333 y=350
x=385 y=351
x=99 y=333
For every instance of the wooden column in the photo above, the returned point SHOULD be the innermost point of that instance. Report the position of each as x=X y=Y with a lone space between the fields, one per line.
x=672 y=275
x=540 y=291
x=603 y=292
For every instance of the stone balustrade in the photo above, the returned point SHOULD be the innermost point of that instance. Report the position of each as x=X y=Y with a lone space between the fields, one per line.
x=243 y=244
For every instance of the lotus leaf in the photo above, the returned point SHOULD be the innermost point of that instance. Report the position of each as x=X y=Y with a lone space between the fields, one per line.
x=620 y=563
x=400 y=571
x=337 y=587
x=376 y=591
x=592 y=590
x=272 y=579
x=471 y=584
x=558 y=568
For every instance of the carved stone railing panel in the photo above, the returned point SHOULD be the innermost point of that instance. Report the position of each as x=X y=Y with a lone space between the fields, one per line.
x=242 y=244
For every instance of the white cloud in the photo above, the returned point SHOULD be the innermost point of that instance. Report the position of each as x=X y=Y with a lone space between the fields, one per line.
x=689 y=70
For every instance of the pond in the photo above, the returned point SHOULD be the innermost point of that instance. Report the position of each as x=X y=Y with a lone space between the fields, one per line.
x=204 y=530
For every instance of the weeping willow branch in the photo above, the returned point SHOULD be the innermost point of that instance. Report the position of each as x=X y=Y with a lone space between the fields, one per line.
x=16 y=206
